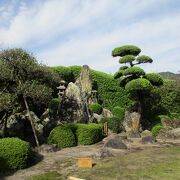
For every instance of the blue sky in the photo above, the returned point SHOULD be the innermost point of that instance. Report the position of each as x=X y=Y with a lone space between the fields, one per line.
x=78 y=32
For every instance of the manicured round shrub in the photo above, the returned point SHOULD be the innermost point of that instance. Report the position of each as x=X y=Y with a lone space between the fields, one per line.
x=154 y=78
x=134 y=71
x=139 y=84
x=95 y=108
x=63 y=136
x=144 y=59
x=118 y=112
x=14 y=153
x=126 y=59
x=126 y=50
x=89 y=133
x=155 y=130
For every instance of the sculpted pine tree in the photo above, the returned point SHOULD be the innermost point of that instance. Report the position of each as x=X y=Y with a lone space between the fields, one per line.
x=26 y=79
x=133 y=78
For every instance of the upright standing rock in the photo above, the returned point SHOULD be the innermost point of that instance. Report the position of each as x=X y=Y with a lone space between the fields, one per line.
x=74 y=106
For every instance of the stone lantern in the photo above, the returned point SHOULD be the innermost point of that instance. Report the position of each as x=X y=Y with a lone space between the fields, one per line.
x=61 y=89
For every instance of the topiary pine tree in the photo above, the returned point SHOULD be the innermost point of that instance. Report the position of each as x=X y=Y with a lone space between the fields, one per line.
x=133 y=78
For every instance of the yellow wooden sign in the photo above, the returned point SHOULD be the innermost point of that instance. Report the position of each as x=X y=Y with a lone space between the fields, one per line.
x=85 y=162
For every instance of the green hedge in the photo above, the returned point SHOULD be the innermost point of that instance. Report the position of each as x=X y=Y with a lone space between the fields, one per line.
x=114 y=124
x=63 y=136
x=14 y=154
x=70 y=135
x=110 y=94
x=155 y=130
x=89 y=133
x=95 y=108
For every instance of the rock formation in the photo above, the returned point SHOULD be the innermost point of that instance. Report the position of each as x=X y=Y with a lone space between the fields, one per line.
x=76 y=99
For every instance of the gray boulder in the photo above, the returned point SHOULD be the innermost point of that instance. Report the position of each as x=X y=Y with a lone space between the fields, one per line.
x=115 y=143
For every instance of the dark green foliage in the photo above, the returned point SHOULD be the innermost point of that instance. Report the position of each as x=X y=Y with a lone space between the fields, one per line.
x=126 y=50
x=63 y=136
x=155 y=130
x=118 y=74
x=126 y=59
x=109 y=92
x=123 y=67
x=7 y=102
x=53 y=106
x=175 y=116
x=169 y=97
x=95 y=108
x=89 y=133
x=39 y=93
x=154 y=78
x=114 y=123
x=135 y=71
x=144 y=59
x=14 y=154
x=139 y=84
x=118 y=112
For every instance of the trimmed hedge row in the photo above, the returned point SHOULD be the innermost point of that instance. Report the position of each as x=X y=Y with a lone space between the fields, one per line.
x=69 y=135
x=14 y=153
x=110 y=94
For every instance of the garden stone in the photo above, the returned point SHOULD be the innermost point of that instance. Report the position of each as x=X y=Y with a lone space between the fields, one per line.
x=133 y=134
x=96 y=118
x=147 y=139
x=107 y=113
x=115 y=143
x=146 y=133
x=46 y=148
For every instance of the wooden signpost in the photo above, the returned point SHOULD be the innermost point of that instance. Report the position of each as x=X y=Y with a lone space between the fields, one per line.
x=85 y=162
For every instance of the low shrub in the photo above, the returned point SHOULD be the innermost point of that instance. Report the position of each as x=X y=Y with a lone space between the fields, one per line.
x=114 y=124
x=155 y=130
x=63 y=136
x=14 y=153
x=95 y=108
x=118 y=112
x=89 y=133
x=165 y=117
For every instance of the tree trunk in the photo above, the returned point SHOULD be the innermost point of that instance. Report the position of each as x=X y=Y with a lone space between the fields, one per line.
x=31 y=121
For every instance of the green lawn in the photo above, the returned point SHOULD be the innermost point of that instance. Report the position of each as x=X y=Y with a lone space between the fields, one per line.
x=152 y=163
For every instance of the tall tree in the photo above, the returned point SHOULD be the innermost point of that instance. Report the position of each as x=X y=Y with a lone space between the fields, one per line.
x=133 y=78
x=29 y=81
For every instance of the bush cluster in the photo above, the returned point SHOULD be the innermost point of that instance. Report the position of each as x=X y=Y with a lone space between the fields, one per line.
x=155 y=130
x=14 y=154
x=95 y=108
x=69 y=135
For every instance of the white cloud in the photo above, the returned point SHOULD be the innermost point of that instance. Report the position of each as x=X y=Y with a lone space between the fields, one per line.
x=70 y=32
